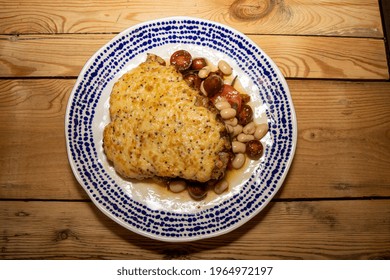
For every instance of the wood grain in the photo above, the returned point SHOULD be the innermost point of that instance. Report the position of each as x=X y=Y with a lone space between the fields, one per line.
x=32 y=142
x=343 y=139
x=359 y=18
x=326 y=57
x=297 y=57
x=305 y=230
x=342 y=151
x=335 y=200
x=32 y=56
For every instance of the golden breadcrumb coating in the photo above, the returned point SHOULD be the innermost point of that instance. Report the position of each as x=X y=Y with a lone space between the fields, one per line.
x=160 y=129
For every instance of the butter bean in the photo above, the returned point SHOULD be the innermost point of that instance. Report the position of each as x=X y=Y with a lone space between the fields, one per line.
x=222 y=105
x=228 y=113
x=232 y=122
x=249 y=128
x=238 y=147
x=221 y=186
x=224 y=67
x=229 y=128
x=237 y=130
x=260 y=131
x=242 y=137
x=238 y=161
x=177 y=186
x=204 y=72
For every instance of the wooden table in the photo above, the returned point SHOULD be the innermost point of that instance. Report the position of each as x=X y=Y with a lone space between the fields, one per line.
x=335 y=201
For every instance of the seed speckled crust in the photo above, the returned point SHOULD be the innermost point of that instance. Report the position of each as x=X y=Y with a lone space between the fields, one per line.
x=161 y=127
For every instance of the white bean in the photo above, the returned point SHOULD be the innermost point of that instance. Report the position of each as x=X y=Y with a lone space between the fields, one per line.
x=177 y=186
x=229 y=128
x=222 y=105
x=222 y=99
x=204 y=72
x=224 y=67
x=261 y=131
x=237 y=130
x=249 y=128
x=238 y=147
x=232 y=121
x=228 y=113
x=221 y=186
x=242 y=137
x=238 y=161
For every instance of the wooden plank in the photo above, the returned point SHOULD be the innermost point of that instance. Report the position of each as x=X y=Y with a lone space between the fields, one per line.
x=326 y=57
x=306 y=230
x=342 y=140
x=359 y=18
x=33 y=154
x=342 y=151
x=297 y=57
x=32 y=56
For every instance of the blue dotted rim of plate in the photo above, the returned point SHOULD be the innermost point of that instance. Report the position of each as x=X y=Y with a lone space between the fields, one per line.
x=165 y=225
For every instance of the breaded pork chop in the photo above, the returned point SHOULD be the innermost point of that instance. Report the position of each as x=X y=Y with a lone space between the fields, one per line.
x=162 y=128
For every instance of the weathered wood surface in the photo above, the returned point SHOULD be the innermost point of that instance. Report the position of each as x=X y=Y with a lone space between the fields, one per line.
x=296 y=56
x=343 y=140
x=358 y=18
x=284 y=230
x=335 y=201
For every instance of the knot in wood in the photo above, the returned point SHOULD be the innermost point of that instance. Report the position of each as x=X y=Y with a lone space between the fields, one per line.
x=22 y=214
x=65 y=234
x=249 y=10
x=176 y=254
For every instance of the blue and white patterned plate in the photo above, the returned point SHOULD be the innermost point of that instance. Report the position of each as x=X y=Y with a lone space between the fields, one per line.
x=149 y=209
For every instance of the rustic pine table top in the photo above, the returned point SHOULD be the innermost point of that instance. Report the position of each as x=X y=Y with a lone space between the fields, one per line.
x=335 y=201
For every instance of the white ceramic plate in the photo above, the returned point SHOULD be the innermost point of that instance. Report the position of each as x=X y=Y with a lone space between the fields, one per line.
x=147 y=208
